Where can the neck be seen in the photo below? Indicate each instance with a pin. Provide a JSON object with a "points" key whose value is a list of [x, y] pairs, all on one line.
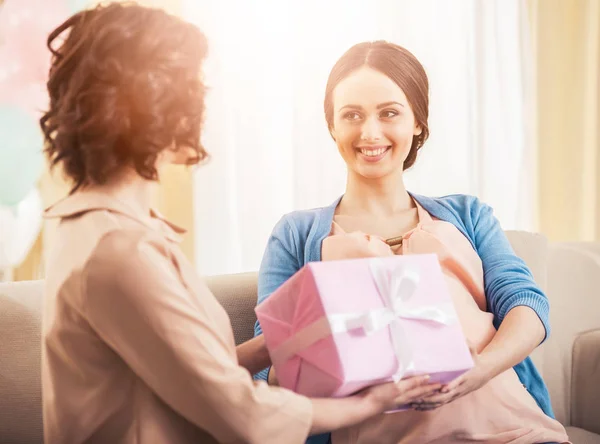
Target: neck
{"points": [[129, 188], [382, 197]]}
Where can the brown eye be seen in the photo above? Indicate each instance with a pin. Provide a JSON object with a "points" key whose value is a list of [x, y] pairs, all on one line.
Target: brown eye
{"points": [[352, 116], [388, 114]]}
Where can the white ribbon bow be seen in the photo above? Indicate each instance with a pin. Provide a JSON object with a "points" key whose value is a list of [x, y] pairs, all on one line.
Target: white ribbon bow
{"points": [[396, 287]]}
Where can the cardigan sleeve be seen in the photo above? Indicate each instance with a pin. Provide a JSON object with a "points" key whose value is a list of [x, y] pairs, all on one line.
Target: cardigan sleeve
{"points": [[279, 263], [508, 281]]}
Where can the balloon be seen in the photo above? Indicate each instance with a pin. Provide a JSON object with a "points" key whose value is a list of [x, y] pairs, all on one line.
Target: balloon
{"points": [[21, 154], [24, 29], [19, 228], [15, 90], [32, 98], [11, 70]]}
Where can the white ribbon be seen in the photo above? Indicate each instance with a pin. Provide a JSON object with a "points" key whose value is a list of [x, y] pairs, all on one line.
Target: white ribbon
{"points": [[395, 286]]}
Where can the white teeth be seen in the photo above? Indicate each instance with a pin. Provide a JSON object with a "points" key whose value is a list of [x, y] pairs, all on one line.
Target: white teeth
{"points": [[373, 153]]}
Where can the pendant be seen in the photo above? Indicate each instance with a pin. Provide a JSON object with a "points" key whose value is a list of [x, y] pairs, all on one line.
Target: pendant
{"points": [[393, 241]]}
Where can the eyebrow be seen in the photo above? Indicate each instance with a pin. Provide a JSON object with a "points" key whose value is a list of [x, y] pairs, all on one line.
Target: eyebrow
{"points": [[381, 105]]}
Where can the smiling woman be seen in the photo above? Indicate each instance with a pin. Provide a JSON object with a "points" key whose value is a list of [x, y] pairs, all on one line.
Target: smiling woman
{"points": [[376, 107], [275, 153], [405, 115]]}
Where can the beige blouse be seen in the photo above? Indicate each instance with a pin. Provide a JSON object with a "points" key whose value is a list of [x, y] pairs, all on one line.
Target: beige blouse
{"points": [[136, 349], [502, 411]]}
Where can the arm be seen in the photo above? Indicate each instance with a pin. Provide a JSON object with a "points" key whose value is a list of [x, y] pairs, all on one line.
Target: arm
{"points": [[279, 263], [509, 284], [136, 302], [173, 341], [253, 354], [519, 307], [333, 414], [519, 334]]}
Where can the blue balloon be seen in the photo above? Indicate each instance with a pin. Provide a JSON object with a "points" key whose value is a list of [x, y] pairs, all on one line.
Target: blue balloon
{"points": [[21, 154]]}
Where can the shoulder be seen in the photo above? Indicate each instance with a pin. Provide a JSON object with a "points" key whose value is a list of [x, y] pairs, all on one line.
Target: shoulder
{"points": [[120, 244], [123, 254], [305, 218], [301, 232], [461, 203], [464, 207], [300, 222], [132, 270]]}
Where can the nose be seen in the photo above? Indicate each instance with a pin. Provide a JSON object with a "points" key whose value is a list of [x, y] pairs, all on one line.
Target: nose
{"points": [[371, 130]]}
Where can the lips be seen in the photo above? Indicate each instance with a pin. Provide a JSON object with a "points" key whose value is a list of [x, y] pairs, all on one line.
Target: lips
{"points": [[373, 153]]}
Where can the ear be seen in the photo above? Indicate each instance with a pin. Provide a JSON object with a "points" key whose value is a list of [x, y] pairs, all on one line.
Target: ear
{"points": [[418, 130]]}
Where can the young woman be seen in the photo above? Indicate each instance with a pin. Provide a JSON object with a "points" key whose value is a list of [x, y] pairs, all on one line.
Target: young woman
{"points": [[376, 107], [135, 347]]}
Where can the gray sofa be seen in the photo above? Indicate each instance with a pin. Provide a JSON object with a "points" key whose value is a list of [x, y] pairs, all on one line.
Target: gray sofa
{"points": [[569, 360]]}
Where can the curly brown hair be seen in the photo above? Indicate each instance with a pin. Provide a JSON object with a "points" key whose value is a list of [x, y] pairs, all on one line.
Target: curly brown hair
{"points": [[124, 85], [398, 64]]}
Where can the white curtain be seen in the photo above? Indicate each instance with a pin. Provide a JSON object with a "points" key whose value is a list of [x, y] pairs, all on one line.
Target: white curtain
{"points": [[265, 127]]}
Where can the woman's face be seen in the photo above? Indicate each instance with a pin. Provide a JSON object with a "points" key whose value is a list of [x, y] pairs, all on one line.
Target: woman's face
{"points": [[373, 123]]}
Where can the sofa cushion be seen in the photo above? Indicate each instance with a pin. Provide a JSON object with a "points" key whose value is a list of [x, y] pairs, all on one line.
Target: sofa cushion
{"points": [[20, 375], [237, 294], [580, 436]]}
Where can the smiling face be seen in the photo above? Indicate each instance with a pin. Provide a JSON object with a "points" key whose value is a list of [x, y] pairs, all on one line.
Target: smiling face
{"points": [[373, 123], [377, 107]]}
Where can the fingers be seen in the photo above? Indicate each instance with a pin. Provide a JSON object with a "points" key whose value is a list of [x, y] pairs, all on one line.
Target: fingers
{"points": [[439, 398], [421, 392], [454, 384], [407, 384], [425, 407], [445, 395], [416, 388], [434, 401]]}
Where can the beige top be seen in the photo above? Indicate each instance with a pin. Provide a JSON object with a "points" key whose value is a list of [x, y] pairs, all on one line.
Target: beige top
{"points": [[136, 349], [500, 412]]}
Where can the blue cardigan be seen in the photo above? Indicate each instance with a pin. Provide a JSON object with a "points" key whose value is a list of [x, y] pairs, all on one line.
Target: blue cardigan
{"points": [[296, 240]]}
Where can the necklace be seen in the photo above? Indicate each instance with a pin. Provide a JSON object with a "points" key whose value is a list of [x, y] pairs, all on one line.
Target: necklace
{"points": [[393, 241]]}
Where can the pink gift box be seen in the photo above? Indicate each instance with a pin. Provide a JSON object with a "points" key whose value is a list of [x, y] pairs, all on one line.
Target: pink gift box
{"points": [[337, 327]]}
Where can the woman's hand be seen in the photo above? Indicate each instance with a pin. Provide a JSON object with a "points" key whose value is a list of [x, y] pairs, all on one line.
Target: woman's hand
{"points": [[468, 382], [406, 391], [334, 414], [519, 334], [253, 354]]}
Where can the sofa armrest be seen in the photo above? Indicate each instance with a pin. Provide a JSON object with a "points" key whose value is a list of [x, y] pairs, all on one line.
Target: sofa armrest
{"points": [[585, 385], [573, 282]]}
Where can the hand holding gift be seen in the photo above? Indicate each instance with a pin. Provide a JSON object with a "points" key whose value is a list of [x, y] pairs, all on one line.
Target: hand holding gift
{"points": [[337, 327]]}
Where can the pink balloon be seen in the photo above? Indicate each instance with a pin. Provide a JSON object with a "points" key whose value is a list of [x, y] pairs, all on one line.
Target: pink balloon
{"points": [[24, 56], [11, 69]]}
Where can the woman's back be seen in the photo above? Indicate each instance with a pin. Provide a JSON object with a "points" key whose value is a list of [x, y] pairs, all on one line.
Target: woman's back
{"points": [[101, 399]]}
